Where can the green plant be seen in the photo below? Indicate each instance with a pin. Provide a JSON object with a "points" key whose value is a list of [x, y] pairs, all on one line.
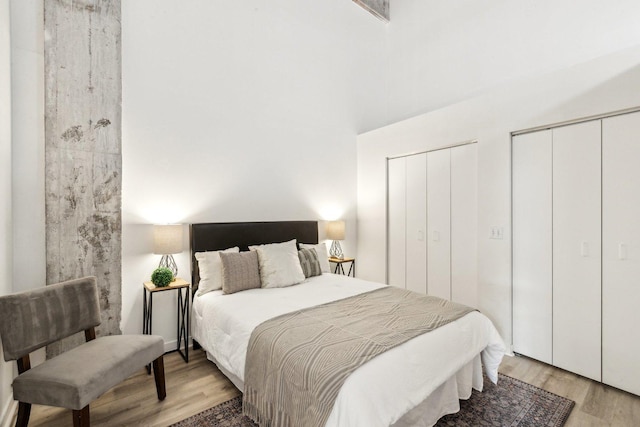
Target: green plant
{"points": [[161, 277]]}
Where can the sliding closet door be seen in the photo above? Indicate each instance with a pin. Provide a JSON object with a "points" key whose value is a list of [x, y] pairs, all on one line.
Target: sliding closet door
{"points": [[532, 244], [439, 223], [621, 252], [416, 229], [464, 224], [577, 249], [396, 217]]}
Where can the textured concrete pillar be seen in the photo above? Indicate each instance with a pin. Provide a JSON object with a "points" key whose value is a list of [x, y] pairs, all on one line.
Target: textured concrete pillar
{"points": [[83, 160], [379, 8]]}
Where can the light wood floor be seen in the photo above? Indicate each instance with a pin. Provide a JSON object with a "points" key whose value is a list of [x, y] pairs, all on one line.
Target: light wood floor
{"points": [[198, 385], [596, 404]]}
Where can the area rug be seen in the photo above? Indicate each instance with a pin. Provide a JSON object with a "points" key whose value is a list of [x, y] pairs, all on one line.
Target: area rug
{"points": [[510, 403]]}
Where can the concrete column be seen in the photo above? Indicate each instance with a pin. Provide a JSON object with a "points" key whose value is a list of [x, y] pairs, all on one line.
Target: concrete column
{"points": [[379, 8], [83, 160]]}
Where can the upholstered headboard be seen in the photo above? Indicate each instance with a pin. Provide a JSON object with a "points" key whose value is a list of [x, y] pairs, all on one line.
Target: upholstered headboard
{"points": [[223, 235]]}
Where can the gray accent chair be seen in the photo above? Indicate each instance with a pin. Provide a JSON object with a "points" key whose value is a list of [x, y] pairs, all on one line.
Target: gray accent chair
{"points": [[33, 319]]}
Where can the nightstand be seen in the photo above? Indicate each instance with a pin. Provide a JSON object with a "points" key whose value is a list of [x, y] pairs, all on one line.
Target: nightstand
{"points": [[339, 262], [181, 286]]}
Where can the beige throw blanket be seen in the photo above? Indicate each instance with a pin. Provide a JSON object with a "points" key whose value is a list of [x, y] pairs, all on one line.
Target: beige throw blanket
{"points": [[296, 363]]}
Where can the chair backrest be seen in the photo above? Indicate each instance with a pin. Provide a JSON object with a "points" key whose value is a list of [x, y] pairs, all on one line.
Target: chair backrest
{"points": [[32, 319]]}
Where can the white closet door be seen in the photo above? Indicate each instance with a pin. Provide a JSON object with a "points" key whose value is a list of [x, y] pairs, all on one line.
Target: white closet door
{"points": [[416, 230], [532, 245], [464, 224], [396, 211], [439, 223], [621, 252], [577, 249]]}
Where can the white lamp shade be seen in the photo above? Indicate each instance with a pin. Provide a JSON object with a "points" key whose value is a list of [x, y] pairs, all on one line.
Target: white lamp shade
{"points": [[167, 239], [335, 230]]}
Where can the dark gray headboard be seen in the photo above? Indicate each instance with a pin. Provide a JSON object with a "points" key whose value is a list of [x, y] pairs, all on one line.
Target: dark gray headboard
{"points": [[223, 235]]}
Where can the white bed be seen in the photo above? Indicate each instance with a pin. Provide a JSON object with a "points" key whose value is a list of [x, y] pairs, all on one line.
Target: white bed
{"points": [[413, 384]]}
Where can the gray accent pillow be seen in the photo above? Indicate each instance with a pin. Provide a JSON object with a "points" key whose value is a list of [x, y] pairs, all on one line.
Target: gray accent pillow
{"points": [[323, 255], [240, 271], [210, 268], [309, 262]]}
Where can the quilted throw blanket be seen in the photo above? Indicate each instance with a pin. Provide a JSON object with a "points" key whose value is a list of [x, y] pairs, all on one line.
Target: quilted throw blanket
{"points": [[296, 363]]}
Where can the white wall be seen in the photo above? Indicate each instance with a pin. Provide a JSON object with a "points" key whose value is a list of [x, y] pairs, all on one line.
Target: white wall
{"points": [[27, 51], [22, 157], [603, 85], [240, 111], [442, 52], [516, 65], [6, 368]]}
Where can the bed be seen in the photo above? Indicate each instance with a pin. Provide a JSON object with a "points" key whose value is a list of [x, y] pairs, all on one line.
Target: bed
{"points": [[413, 384]]}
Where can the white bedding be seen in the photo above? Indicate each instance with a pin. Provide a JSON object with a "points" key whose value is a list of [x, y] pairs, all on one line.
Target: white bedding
{"points": [[402, 378]]}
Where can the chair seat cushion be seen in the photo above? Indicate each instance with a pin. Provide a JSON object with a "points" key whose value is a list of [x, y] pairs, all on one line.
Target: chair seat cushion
{"points": [[75, 378]]}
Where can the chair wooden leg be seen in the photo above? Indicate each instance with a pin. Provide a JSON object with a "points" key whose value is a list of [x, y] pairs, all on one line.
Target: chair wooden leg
{"points": [[158, 373], [24, 410], [81, 417]]}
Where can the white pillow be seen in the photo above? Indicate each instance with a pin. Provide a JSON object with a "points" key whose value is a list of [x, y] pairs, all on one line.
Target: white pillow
{"points": [[210, 267], [323, 255], [279, 264]]}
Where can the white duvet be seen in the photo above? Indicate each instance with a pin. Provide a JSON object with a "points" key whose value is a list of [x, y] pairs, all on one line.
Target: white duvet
{"points": [[400, 378]]}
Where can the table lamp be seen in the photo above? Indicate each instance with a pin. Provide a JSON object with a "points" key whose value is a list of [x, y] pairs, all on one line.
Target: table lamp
{"points": [[167, 240], [335, 232]]}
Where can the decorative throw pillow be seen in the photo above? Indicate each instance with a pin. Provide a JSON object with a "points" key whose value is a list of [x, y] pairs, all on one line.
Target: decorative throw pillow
{"points": [[240, 271], [279, 264], [309, 262], [210, 268], [323, 255]]}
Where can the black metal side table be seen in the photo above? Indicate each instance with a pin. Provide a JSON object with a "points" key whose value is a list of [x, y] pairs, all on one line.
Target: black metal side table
{"points": [[183, 312], [339, 262]]}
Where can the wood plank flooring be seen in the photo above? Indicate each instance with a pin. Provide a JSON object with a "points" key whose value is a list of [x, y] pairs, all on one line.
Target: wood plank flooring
{"points": [[596, 404], [198, 385]]}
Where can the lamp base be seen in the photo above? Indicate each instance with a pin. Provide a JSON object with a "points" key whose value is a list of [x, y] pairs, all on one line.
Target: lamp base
{"points": [[336, 251], [167, 261]]}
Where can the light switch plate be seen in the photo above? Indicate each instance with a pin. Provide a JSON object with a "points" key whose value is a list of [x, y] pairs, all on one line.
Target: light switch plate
{"points": [[496, 232]]}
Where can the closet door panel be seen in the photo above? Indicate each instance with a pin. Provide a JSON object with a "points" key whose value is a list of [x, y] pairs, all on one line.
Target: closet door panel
{"points": [[577, 249], [416, 241], [621, 252], [464, 224], [439, 223], [532, 245], [396, 222]]}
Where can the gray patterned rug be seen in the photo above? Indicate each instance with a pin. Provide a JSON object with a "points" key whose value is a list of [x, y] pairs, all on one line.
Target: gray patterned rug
{"points": [[510, 403]]}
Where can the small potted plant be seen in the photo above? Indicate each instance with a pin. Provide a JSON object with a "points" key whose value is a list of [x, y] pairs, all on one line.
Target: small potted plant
{"points": [[161, 277]]}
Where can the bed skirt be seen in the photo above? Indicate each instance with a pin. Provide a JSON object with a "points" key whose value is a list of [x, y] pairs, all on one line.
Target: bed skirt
{"points": [[443, 401]]}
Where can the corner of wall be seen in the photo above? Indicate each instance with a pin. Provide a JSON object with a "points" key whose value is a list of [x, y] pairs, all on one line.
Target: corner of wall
{"points": [[6, 223], [7, 415]]}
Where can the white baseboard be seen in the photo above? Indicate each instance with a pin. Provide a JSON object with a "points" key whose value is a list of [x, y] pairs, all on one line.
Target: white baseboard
{"points": [[9, 413], [171, 345]]}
